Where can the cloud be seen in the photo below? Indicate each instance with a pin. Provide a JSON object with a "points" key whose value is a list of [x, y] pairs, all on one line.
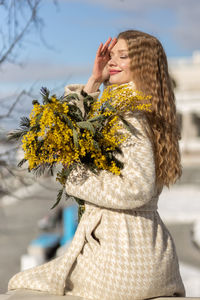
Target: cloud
{"points": [[35, 71], [126, 5], [188, 24], [185, 14]]}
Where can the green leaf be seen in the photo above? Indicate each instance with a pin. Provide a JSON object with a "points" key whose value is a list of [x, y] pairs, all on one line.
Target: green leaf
{"points": [[22, 162], [63, 175], [93, 169], [51, 168], [44, 168], [75, 112], [40, 169], [89, 99], [109, 156], [79, 201], [16, 134], [25, 122], [35, 128], [87, 102], [45, 95], [35, 102], [86, 125], [98, 134], [109, 106], [118, 150], [81, 210], [44, 92], [119, 164], [96, 144], [59, 197], [81, 207], [72, 96], [129, 126], [64, 118], [39, 116], [97, 118], [75, 138], [39, 146]]}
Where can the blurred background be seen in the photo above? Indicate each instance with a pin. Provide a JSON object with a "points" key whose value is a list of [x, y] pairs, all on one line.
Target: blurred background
{"points": [[52, 44]]}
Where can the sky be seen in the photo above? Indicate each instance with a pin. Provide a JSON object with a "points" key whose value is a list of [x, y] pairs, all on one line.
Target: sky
{"points": [[73, 30]]}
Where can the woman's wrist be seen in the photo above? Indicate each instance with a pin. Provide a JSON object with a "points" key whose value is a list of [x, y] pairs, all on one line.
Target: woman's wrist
{"points": [[92, 85]]}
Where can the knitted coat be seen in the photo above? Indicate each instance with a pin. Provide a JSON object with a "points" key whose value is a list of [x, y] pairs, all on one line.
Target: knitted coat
{"points": [[121, 249]]}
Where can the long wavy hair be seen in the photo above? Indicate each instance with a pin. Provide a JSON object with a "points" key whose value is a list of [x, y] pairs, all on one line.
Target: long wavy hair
{"points": [[150, 74]]}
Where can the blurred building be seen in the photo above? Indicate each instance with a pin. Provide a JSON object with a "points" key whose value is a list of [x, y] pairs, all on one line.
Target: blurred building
{"points": [[186, 74]]}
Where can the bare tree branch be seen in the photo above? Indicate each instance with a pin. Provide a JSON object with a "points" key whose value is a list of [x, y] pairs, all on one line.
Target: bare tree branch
{"points": [[19, 36], [20, 17], [13, 105]]}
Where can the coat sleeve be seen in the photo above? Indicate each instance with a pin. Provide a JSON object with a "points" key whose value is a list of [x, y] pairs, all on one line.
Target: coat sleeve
{"points": [[136, 185]]}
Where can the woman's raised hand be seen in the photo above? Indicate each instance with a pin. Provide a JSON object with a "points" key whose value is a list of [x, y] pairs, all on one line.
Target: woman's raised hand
{"points": [[100, 72], [102, 57]]}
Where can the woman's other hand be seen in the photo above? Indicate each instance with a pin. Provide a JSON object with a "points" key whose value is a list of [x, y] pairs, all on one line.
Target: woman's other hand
{"points": [[100, 72]]}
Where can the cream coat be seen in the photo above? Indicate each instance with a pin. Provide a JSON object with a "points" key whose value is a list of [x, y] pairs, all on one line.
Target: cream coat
{"points": [[121, 249]]}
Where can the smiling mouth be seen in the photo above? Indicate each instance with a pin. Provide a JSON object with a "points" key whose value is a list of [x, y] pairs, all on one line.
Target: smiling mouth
{"points": [[113, 72]]}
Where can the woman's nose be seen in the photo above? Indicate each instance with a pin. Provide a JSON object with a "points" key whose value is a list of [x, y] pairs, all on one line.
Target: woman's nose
{"points": [[112, 62]]}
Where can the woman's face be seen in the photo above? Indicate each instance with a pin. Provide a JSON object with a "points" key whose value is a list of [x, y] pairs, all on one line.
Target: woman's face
{"points": [[119, 64]]}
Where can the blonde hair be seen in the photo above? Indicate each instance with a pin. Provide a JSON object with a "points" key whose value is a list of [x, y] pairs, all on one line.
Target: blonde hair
{"points": [[150, 74]]}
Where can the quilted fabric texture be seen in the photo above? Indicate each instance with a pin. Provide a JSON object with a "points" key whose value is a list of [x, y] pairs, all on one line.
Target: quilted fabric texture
{"points": [[121, 249]]}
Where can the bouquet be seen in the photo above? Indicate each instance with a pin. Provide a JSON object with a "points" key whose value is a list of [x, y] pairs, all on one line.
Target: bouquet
{"points": [[58, 132]]}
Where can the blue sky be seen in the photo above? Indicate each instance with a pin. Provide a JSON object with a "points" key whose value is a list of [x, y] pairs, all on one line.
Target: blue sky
{"points": [[74, 29]]}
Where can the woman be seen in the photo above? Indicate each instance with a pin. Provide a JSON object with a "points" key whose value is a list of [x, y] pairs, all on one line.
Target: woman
{"points": [[121, 249]]}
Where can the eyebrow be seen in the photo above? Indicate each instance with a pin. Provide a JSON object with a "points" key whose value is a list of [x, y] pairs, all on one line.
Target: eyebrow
{"points": [[120, 51]]}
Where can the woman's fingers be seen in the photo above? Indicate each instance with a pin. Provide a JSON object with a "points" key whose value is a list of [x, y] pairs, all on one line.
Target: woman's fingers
{"points": [[104, 48], [100, 72], [112, 44], [99, 49]]}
